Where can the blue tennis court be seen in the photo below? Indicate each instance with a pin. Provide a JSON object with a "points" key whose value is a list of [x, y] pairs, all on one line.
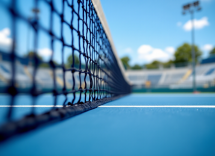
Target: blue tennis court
{"points": [[141, 124], [66, 89]]}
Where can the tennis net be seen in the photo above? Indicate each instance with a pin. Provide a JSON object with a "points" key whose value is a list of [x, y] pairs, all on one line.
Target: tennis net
{"points": [[64, 48]]}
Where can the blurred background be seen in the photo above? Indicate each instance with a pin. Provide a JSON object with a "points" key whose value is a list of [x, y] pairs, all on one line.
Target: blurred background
{"points": [[153, 40]]}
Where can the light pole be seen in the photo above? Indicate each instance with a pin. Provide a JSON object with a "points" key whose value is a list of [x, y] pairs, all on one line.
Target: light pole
{"points": [[191, 8], [36, 17]]}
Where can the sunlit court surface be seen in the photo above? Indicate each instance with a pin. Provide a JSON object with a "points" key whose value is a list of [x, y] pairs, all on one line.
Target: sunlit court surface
{"points": [[171, 128], [107, 78]]}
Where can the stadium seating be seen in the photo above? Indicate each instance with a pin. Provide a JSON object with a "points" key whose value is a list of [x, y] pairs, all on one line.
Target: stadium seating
{"points": [[173, 77], [156, 78]]}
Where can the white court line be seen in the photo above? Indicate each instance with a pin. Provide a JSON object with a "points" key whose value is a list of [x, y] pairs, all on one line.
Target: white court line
{"points": [[167, 106], [160, 106]]}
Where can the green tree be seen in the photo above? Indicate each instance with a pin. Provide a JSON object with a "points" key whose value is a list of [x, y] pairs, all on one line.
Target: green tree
{"points": [[30, 55], [70, 61], [212, 52], [47, 65], [125, 61], [184, 53], [154, 65], [136, 67], [42, 64], [168, 64]]}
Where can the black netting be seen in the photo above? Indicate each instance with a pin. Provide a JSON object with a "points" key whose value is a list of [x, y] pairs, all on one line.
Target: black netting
{"points": [[81, 66]]}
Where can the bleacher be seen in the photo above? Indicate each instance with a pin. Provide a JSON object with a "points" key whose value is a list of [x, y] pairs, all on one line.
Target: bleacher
{"points": [[5, 70], [171, 78], [44, 77], [22, 80], [210, 59], [174, 78], [154, 79]]}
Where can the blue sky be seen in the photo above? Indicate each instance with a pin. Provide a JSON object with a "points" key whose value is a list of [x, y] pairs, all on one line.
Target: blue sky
{"points": [[25, 40], [148, 30], [141, 29]]}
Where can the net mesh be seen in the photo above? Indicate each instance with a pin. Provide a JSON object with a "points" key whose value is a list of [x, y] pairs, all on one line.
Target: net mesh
{"points": [[81, 65]]}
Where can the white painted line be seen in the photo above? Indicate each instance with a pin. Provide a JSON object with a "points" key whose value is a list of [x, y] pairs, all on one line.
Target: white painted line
{"points": [[167, 106], [158, 106]]}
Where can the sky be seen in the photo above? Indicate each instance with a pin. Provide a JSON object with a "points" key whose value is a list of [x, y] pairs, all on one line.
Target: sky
{"points": [[141, 29], [25, 33], [152, 30]]}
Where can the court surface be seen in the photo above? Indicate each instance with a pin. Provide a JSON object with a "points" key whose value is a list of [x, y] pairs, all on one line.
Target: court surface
{"points": [[138, 124]]}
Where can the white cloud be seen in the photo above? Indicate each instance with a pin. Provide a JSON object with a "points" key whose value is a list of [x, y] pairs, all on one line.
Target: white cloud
{"points": [[207, 47], [45, 52], [5, 41], [157, 54], [144, 49], [128, 50], [147, 54], [179, 24], [198, 24], [206, 0], [170, 50]]}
